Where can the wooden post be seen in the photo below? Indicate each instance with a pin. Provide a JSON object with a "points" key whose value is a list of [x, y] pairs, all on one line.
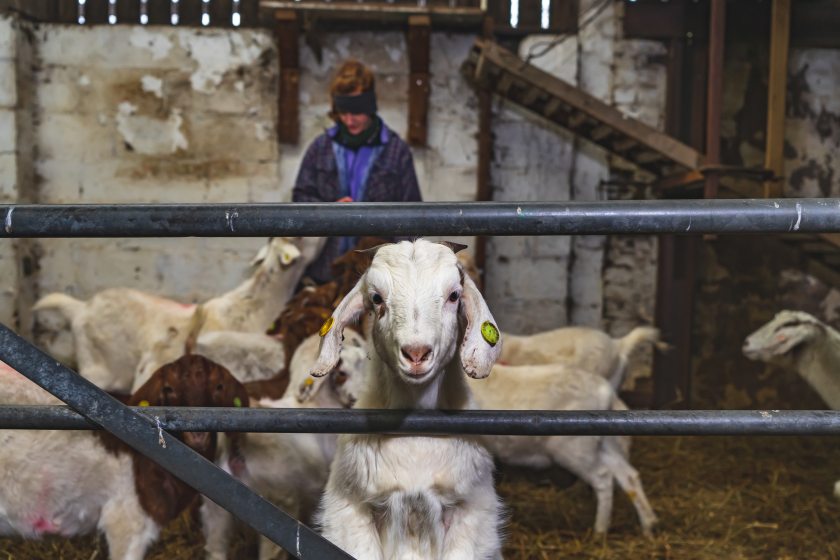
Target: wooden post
{"points": [[484, 191], [714, 95], [776, 90], [419, 28], [288, 126]]}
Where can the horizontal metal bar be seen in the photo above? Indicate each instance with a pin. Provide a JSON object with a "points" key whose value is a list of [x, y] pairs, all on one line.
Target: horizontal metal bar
{"points": [[142, 433], [505, 422], [430, 218]]}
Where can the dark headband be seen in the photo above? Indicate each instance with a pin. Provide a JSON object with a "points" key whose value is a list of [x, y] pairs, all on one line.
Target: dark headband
{"points": [[361, 104]]}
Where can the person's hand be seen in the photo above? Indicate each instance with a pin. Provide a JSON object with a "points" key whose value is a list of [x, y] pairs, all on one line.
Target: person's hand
{"points": [[345, 199]]}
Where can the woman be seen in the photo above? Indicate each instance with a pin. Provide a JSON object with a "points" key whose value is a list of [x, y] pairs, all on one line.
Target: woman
{"points": [[358, 159]]}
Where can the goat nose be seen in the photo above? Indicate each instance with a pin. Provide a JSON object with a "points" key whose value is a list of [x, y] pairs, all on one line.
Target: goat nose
{"points": [[417, 353]]}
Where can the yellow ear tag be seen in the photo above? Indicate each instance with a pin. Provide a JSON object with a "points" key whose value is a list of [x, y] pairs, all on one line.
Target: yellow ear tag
{"points": [[237, 402], [144, 403], [325, 328], [490, 333], [308, 381]]}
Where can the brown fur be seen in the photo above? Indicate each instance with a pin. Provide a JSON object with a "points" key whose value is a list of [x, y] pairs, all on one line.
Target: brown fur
{"points": [[189, 381], [309, 308]]}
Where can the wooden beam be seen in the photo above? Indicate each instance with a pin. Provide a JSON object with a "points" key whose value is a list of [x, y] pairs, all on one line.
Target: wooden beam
{"points": [[776, 89], [419, 88], [388, 12], [288, 126], [583, 106], [714, 94]]}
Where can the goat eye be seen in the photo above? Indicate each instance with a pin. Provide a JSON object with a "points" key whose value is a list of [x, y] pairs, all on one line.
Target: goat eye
{"points": [[340, 378], [454, 296], [167, 390], [376, 299]]}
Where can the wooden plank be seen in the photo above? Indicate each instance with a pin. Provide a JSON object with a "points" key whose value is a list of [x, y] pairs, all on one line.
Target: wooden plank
{"points": [[552, 107], [624, 144], [159, 12], [189, 12], [774, 159], [529, 14], [96, 12], [563, 16], [343, 11], [647, 156], [580, 101], [220, 13], [128, 11], [419, 86], [67, 11], [531, 95], [576, 119], [600, 132], [249, 13], [714, 93]]}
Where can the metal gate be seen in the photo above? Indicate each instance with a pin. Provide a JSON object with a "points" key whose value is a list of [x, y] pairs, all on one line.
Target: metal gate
{"points": [[145, 428]]}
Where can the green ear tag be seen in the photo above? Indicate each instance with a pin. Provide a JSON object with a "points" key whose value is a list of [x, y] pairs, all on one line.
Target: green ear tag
{"points": [[490, 333], [237, 402]]}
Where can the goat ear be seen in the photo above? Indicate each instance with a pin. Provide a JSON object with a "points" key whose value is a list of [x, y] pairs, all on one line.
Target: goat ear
{"points": [[332, 332], [482, 342], [262, 253], [455, 247], [289, 253], [309, 387], [151, 392]]}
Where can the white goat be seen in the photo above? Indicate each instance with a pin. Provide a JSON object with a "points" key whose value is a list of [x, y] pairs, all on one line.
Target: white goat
{"points": [[70, 483], [414, 497], [288, 469], [113, 329], [586, 348], [800, 341], [597, 460]]}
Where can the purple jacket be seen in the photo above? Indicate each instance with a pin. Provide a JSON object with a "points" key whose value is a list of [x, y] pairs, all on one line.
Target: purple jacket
{"points": [[391, 178]]}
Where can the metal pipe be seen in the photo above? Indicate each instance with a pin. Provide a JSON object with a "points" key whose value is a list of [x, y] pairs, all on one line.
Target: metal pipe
{"points": [[429, 218], [437, 422], [143, 434]]}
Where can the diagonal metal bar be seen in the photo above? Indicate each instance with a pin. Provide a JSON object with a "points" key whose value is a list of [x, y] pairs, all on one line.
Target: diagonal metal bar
{"points": [[441, 422], [429, 218], [141, 432]]}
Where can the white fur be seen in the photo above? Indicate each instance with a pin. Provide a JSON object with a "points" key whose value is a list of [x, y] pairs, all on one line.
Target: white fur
{"points": [[249, 356], [414, 497], [66, 483], [597, 460], [113, 329], [288, 469], [586, 348], [800, 341]]}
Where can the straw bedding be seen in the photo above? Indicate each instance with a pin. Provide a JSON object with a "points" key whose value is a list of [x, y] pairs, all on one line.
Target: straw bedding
{"points": [[716, 497]]}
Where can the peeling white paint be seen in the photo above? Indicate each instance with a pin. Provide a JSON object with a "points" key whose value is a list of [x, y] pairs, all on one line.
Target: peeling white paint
{"points": [[798, 217], [217, 54], [156, 43], [394, 53], [8, 221], [150, 136], [152, 84]]}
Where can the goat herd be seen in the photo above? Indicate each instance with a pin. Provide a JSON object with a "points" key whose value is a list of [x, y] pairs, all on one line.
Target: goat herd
{"points": [[402, 326]]}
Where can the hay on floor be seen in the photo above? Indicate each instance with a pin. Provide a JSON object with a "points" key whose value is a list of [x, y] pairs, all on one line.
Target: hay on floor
{"points": [[716, 497]]}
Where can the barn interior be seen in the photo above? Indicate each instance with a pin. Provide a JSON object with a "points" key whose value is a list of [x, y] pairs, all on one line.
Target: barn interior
{"points": [[216, 101]]}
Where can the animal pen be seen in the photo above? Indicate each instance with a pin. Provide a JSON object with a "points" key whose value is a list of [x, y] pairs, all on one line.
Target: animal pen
{"points": [[726, 495], [147, 429]]}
